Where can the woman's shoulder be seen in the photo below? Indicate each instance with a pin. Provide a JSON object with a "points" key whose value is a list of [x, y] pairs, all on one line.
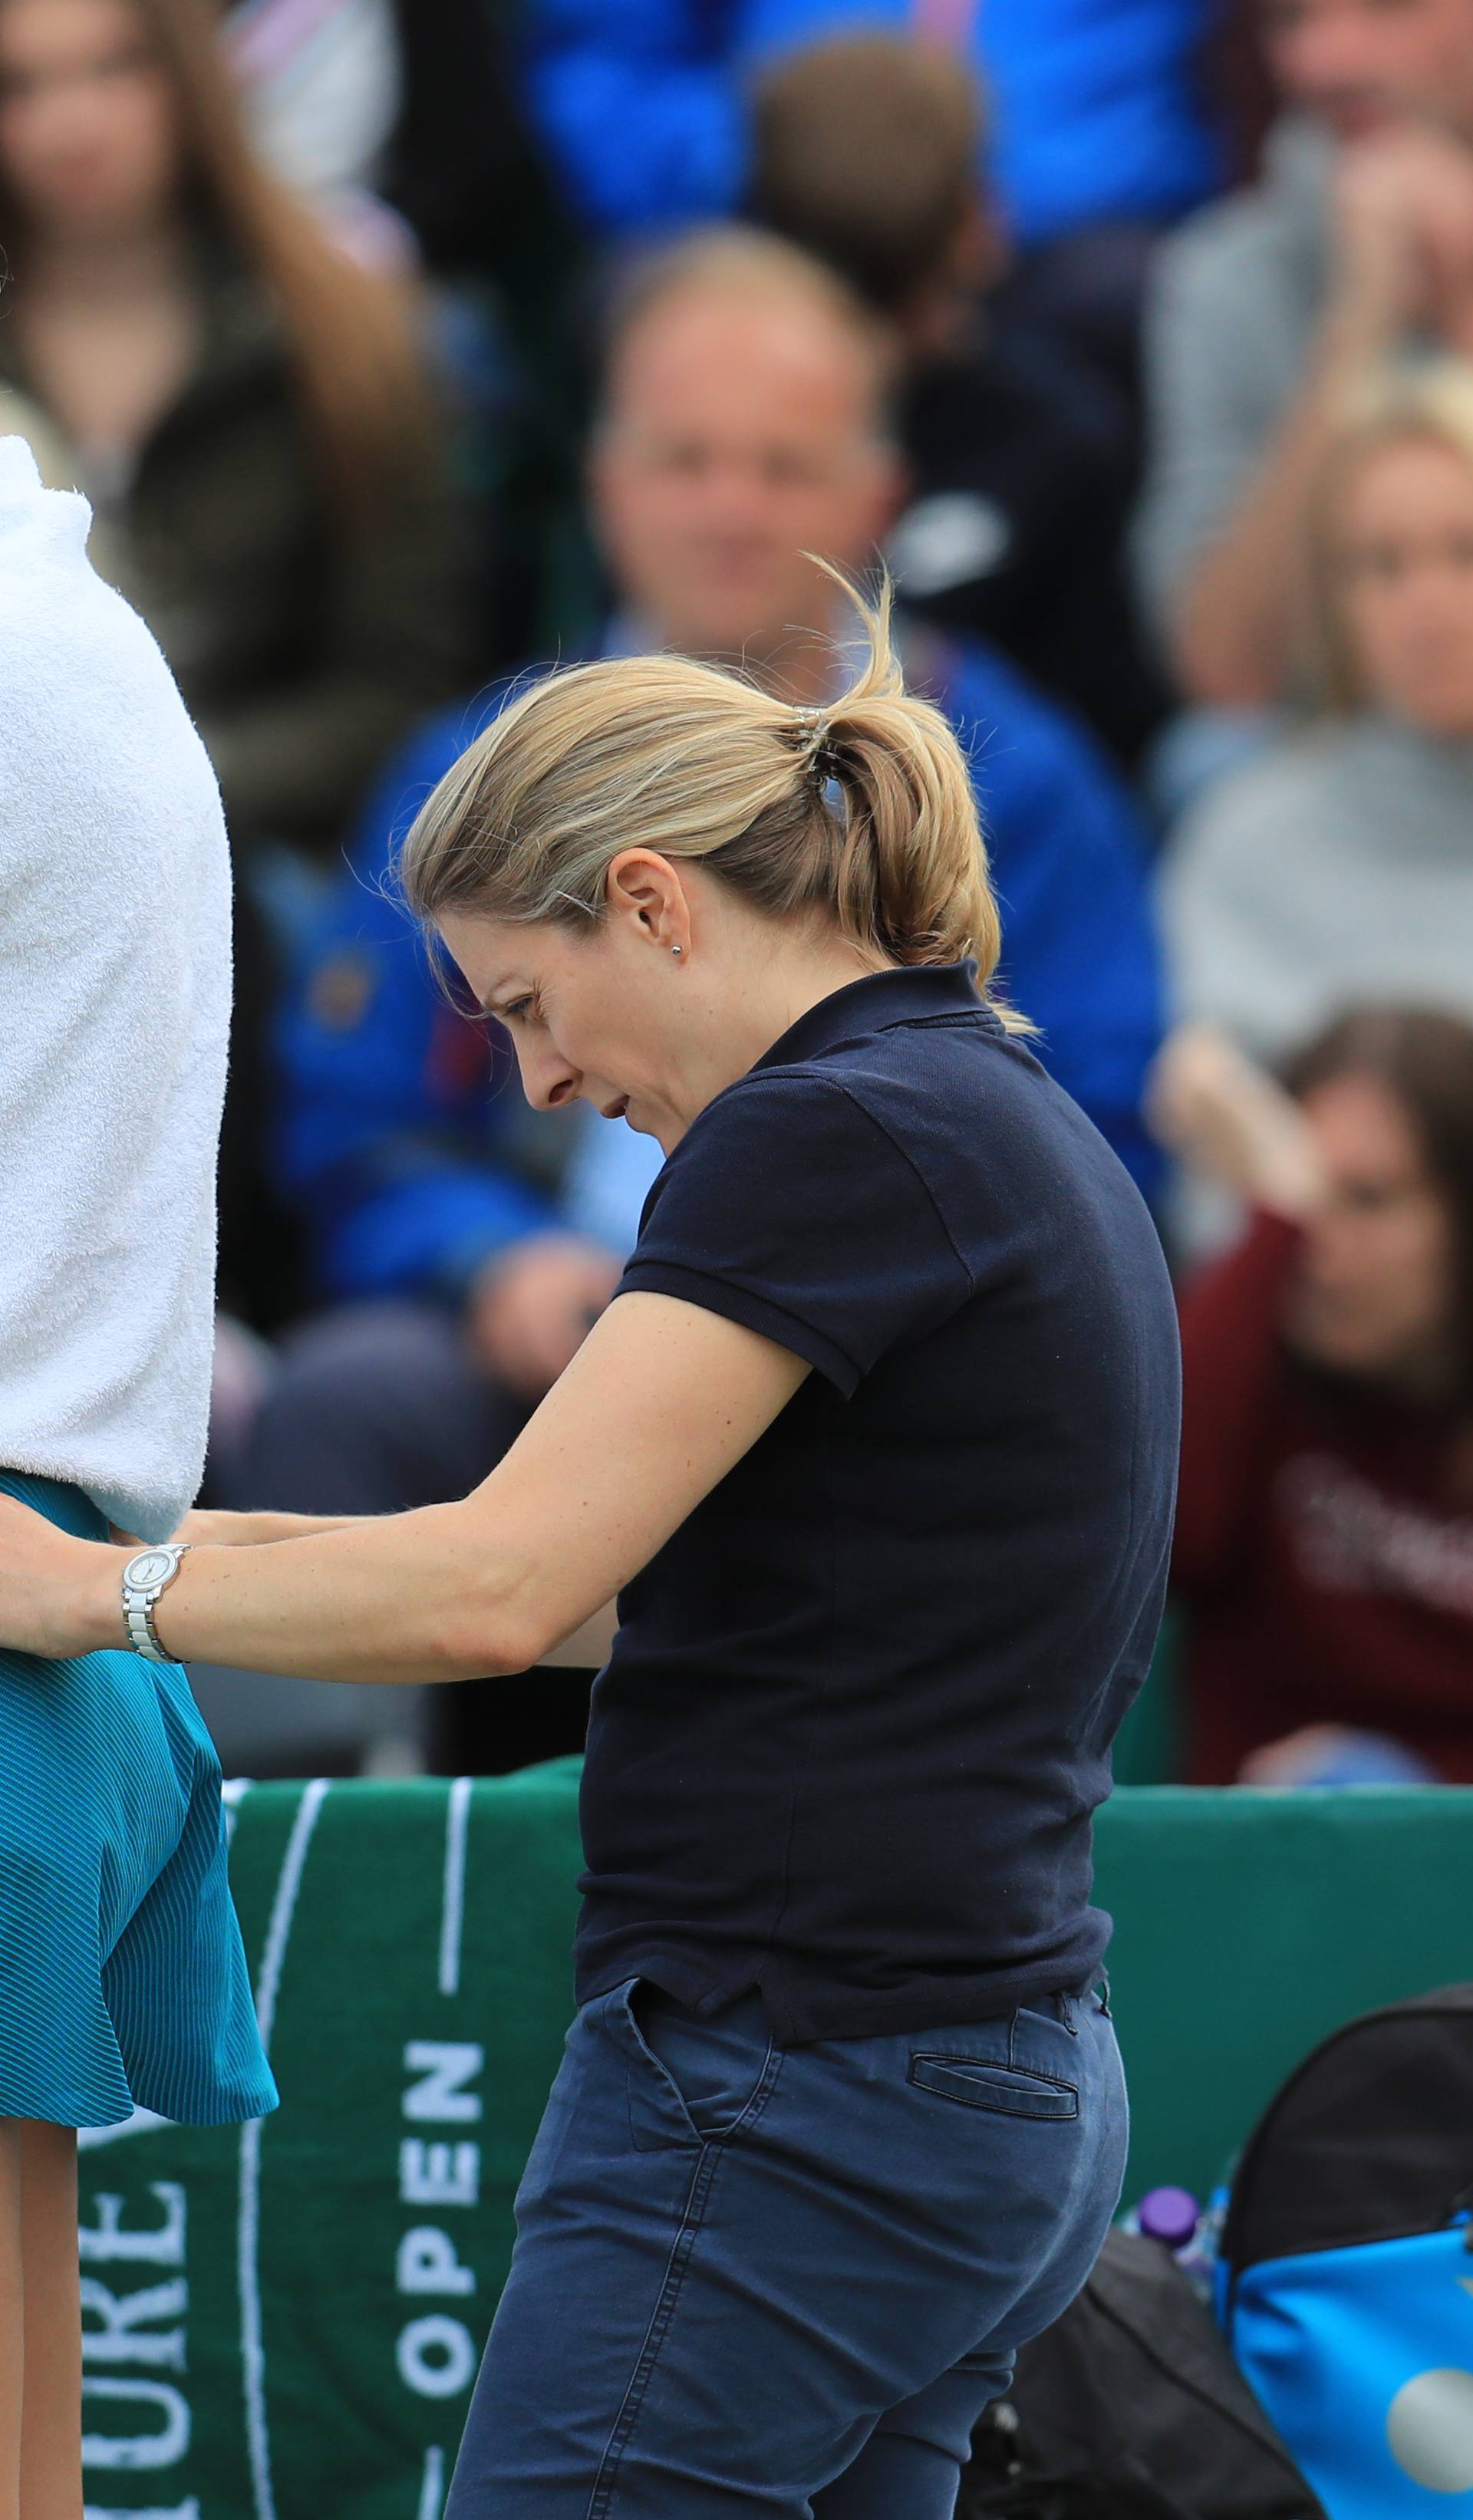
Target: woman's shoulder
{"points": [[68, 637], [878, 1120], [43, 522], [805, 1146], [25, 422], [93, 729], [770, 1112]]}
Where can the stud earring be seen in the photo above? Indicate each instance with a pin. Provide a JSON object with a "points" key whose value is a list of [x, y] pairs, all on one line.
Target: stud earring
{"points": [[677, 949]]}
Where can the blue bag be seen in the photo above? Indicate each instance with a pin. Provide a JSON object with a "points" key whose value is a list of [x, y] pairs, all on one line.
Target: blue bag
{"points": [[1346, 2275]]}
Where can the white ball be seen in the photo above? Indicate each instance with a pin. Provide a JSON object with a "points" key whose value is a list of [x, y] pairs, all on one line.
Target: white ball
{"points": [[1430, 2430]]}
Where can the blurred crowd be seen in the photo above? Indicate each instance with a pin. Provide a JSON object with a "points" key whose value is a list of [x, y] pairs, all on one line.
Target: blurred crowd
{"points": [[400, 348]]}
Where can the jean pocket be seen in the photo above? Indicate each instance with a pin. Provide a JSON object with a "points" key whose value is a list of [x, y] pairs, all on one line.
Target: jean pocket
{"points": [[1005, 2090], [692, 2080]]}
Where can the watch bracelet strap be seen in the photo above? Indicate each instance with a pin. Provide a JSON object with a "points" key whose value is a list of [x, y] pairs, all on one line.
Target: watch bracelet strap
{"points": [[138, 1620], [143, 1635]]}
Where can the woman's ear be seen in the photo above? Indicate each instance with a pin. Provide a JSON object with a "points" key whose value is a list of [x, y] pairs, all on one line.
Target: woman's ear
{"points": [[644, 889]]}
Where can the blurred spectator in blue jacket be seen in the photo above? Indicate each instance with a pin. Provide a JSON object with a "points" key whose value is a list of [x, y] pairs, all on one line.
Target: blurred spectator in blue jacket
{"points": [[742, 429], [1020, 456], [1099, 132], [1097, 111]]}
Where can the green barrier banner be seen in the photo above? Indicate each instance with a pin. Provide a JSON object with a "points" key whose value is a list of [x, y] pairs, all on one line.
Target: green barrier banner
{"points": [[282, 2322]]}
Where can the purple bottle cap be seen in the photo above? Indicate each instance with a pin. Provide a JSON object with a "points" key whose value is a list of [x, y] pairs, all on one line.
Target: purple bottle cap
{"points": [[1170, 2215]]}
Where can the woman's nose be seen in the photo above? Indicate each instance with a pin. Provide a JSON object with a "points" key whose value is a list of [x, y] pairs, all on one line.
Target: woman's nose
{"points": [[548, 1082]]}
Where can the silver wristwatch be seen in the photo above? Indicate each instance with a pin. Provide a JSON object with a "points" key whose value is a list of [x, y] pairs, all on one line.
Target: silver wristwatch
{"points": [[147, 1574]]}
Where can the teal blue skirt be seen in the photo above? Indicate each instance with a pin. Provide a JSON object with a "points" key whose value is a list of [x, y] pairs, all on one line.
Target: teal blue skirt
{"points": [[122, 1975]]}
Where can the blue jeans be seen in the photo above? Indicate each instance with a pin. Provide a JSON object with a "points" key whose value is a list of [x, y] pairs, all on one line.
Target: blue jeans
{"points": [[755, 2283]]}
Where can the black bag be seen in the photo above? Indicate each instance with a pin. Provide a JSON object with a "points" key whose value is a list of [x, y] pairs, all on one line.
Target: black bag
{"points": [[1066, 2498], [1132, 2398], [1369, 2139], [1347, 2265]]}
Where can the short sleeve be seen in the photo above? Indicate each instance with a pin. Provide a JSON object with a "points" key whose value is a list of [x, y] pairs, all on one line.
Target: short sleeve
{"points": [[790, 1208]]}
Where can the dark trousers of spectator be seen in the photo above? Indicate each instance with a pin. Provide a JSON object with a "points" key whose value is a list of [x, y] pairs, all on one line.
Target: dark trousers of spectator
{"points": [[380, 1407]]}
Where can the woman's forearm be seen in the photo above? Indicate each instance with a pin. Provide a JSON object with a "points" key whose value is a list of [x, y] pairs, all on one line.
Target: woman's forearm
{"points": [[661, 1401], [588, 1645], [1236, 617], [204, 1529], [413, 1596]]}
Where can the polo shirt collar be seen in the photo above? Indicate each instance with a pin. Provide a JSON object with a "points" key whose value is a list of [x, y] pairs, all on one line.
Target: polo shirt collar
{"points": [[881, 999]]}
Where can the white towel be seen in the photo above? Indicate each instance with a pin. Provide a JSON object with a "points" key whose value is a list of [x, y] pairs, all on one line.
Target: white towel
{"points": [[114, 1009]]}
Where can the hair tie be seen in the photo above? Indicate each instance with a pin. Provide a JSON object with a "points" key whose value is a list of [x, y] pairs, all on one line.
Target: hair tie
{"points": [[817, 756]]}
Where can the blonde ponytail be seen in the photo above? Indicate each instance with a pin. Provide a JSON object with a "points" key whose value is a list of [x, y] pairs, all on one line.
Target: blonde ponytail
{"points": [[910, 874], [861, 810]]}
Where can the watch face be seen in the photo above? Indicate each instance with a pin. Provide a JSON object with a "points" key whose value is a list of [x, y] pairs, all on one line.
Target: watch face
{"points": [[148, 1567]]}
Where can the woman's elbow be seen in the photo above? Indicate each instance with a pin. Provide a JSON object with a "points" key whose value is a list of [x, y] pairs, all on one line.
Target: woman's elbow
{"points": [[484, 1619], [477, 1646]]}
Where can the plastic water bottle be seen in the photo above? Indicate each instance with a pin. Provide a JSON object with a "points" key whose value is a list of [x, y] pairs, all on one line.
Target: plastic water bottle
{"points": [[1171, 2216], [1201, 2260]]}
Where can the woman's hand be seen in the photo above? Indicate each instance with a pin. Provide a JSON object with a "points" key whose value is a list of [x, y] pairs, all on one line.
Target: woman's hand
{"points": [[1226, 1117], [57, 1595]]}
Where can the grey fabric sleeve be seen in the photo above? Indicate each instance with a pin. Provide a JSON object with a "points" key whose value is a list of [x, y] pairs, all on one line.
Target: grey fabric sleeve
{"points": [[1208, 415]]}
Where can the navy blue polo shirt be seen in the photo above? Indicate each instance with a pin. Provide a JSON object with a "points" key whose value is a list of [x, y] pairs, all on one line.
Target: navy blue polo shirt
{"points": [[860, 1708]]}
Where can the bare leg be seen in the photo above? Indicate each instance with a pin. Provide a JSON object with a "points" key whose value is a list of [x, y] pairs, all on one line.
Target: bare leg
{"points": [[11, 2320], [51, 2422]]}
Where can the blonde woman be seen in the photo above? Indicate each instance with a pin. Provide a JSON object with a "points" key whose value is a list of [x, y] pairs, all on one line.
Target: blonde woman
{"points": [[876, 1443], [1340, 864]]}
